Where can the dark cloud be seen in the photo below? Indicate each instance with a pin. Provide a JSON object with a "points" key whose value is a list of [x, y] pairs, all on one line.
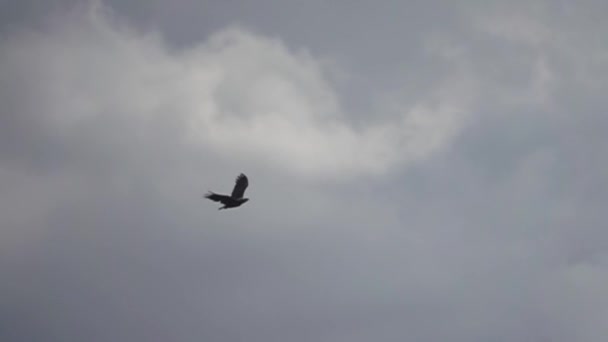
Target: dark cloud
{"points": [[112, 134]]}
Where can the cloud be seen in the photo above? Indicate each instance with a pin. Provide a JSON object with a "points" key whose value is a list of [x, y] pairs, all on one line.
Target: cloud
{"points": [[241, 95], [483, 218]]}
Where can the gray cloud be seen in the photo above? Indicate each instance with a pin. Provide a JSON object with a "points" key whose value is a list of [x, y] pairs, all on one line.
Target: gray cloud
{"points": [[469, 208], [273, 105]]}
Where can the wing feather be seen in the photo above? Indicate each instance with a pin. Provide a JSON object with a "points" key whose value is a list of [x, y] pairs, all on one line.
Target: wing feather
{"points": [[239, 188], [217, 197]]}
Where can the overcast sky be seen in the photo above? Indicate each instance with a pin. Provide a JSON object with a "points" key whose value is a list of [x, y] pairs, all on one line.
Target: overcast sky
{"points": [[419, 170]]}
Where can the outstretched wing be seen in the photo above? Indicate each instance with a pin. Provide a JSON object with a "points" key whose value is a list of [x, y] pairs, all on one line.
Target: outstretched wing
{"points": [[239, 188], [217, 197]]}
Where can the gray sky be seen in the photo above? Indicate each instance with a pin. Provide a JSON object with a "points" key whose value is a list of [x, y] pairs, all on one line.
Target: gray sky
{"points": [[421, 171]]}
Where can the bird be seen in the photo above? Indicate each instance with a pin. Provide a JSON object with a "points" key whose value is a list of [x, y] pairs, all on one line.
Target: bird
{"points": [[234, 200]]}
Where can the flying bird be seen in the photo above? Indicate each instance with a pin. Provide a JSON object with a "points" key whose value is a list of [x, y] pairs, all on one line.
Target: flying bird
{"points": [[234, 200]]}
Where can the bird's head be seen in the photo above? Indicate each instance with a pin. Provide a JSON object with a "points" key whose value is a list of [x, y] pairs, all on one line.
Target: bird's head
{"points": [[245, 200]]}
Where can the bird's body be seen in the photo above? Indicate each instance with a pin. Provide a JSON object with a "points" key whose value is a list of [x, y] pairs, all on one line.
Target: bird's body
{"points": [[236, 198]]}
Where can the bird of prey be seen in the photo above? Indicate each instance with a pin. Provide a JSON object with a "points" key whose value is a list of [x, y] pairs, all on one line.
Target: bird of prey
{"points": [[234, 200]]}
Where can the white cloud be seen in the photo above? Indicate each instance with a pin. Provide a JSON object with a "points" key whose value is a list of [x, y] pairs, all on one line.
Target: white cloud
{"points": [[239, 94]]}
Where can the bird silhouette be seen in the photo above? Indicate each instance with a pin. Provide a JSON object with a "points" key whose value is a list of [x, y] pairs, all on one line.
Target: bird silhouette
{"points": [[234, 200]]}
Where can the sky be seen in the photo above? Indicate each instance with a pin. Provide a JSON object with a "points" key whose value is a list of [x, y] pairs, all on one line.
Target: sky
{"points": [[418, 170]]}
